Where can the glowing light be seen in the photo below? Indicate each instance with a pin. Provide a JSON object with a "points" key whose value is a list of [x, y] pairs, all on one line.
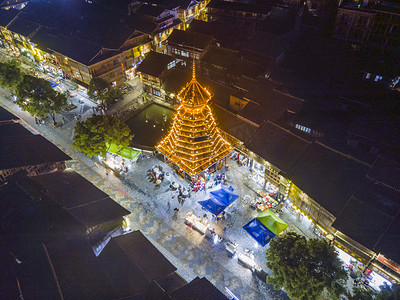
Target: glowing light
{"points": [[194, 127]]}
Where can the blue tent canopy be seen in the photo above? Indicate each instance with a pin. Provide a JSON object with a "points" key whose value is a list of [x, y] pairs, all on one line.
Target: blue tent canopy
{"points": [[224, 194], [213, 205], [218, 199], [53, 84], [259, 232]]}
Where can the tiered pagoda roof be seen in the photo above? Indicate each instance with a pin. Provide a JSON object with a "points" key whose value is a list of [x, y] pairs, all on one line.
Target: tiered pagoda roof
{"points": [[194, 141]]}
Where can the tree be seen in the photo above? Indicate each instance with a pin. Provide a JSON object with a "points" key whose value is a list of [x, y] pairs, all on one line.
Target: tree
{"points": [[10, 74], [99, 89], [305, 268], [389, 292], [98, 133], [36, 96], [360, 293]]}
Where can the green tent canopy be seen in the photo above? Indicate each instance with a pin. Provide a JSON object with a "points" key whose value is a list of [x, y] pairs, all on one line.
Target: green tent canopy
{"points": [[125, 152], [272, 222]]}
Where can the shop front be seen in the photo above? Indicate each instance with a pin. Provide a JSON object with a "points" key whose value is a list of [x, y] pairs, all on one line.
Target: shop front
{"points": [[240, 159]]}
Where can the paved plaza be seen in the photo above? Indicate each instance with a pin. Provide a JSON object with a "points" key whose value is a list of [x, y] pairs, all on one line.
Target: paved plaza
{"points": [[152, 207]]}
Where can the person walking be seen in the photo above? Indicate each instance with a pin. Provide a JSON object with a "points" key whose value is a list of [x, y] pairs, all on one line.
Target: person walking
{"points": [[168, 205], [63, 120]]}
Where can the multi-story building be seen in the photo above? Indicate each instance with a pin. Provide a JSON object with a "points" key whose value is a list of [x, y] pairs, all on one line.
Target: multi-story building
{"points": [[350, 203], [369, 24], [188, 46], [165, 21], [92, 49], [152, 71], [186, 11], [248, 16]]}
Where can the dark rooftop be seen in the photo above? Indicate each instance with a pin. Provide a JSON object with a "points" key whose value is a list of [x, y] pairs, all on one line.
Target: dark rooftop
{"points": [[190, 39], [141, 252], [386, 171], [231, 124], [78, 272], [7, 15], [154, 64], [5, 115], [388, 245], [266, 101], [28, 150], [237, 6], [13, 129], [361, 222], [132, 262], [328, 177], [277, 145], [198, 289], [150, 10], [80, 198], [78, 49]]}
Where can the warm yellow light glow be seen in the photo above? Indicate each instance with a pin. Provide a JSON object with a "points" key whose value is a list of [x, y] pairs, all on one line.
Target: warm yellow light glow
{"points": [[194, 127]]}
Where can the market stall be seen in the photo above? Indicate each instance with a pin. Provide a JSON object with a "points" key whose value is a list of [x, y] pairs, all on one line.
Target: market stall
{"points": [[265, 227], [218, 199], [120, 158]]}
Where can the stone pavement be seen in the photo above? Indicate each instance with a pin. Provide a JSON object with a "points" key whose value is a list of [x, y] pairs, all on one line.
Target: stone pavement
{"points": [[192, 253]]}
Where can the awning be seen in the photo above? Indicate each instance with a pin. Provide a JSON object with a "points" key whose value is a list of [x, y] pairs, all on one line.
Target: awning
{"points": [[265, 227], [259, 232], [218, 199], [272, 222], [125, 152]]}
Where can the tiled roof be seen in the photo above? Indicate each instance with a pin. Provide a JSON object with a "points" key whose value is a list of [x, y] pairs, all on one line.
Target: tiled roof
{"points": [[198, 289], [145, 255], [7, 15], [150, 10], [5, 115], [78, 272], [219, 56], [233, 125], [133, 262], [266, 102], [328, 177], [13, 129], [191, 39], [278, 146], [80, 198], [154, 64], [237, 6], [28, 150], [388, 245], [386, 171], [361, 222], [371, 125], [22, 25], [78, 49]]}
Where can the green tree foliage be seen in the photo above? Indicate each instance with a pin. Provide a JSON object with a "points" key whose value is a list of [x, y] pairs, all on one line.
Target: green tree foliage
{"points": [[389, 292], [96, 134], [113, 94], [305, 268], [360, 293], [10, 74], [36, 96], [99, 89]]}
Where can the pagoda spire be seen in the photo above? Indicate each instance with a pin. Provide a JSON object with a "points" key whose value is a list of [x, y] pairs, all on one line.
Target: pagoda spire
{"points": [[194, 71]]}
